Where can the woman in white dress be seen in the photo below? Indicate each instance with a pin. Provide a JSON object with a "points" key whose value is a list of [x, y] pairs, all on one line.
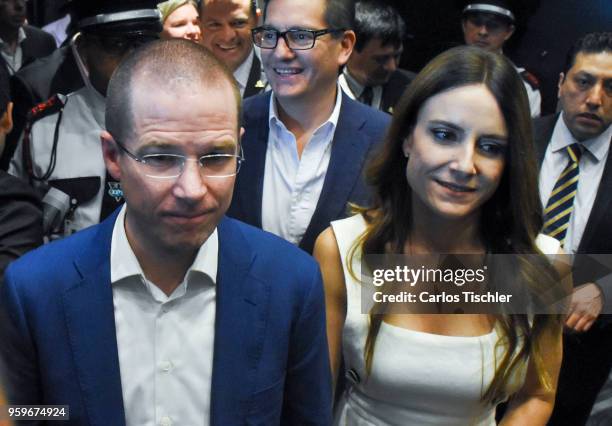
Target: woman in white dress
{"points": [[457, 174]]}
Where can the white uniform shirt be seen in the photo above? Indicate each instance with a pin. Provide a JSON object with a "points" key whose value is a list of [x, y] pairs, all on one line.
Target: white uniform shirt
{"points": [[591, 169], [292, 185], [165, 343], [535, 98], [79, 150]]}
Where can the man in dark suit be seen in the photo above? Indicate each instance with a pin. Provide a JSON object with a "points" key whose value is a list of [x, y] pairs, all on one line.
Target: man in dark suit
{"points": [[167, 312], [372, 75], [20, 44], [305, 143], [20, 210], [226, 32], [576, 191]]}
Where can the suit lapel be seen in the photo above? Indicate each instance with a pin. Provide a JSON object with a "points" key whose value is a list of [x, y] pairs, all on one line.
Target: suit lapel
{"points": [[600, 208], [349, 149], [28, 48], [254, 78], [91, 326], [389, 95], [255, 145], [241, 312], [543, 130]]}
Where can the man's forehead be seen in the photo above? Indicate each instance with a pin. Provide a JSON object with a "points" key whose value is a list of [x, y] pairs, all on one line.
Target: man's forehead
{"points": [[298, 14], [384, 49], [158, 96], [599, 64], [227, 6]]}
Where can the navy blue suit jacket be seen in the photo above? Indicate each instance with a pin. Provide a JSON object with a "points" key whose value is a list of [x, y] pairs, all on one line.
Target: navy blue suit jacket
{"points": [[359, 130], [270, 363]]}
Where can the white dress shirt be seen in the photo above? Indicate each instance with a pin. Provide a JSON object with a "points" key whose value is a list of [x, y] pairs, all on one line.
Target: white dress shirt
{"points": [[354, 89], [79, 151], [13, 60], [165, 343], [242, 72], [292, 185], [591, 169]]}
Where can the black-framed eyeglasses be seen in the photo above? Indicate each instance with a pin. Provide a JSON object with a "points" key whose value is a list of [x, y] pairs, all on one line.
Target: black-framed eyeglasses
{"points": [[171, 166], [295, 38]]}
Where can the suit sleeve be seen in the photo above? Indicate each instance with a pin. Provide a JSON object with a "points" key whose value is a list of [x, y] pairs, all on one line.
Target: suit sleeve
{"points": [[20, 219], [308, 388], [17, 353]]}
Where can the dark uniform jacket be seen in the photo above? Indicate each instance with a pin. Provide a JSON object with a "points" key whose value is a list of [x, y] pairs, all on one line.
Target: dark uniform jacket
{"points": [[394, 89], [20, 219], [35, 83]]}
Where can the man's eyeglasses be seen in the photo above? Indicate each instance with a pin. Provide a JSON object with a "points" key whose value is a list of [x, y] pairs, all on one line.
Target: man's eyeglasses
{"points": [[171, 166], [296, 38]]}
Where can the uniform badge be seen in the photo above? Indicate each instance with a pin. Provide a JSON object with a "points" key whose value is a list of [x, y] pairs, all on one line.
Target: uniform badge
{"points": [[115, 191], [260, 84]]}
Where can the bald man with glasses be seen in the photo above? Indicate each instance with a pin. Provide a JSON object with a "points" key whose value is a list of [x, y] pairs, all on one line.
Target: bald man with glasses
{"points": [[168, 313]]}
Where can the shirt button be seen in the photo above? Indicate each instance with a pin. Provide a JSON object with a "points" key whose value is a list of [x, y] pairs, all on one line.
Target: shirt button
{"points": [[165, 421], [166, 366]]}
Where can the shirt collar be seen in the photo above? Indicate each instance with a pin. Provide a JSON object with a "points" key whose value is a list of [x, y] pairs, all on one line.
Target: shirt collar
{"points": [[124, 263], [275, 122], [21, 35], [356, 87], [243, 71], [597, 146]]}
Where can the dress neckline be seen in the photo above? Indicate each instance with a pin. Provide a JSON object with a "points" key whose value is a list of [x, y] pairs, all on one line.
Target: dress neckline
{"points": [[395, 329]]}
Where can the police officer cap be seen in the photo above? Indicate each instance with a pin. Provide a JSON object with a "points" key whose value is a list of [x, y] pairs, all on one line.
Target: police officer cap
{"points": [[497, 7], [135, 17]]}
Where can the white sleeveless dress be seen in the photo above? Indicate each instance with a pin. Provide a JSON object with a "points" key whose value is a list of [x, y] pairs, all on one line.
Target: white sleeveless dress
{"points": [[417, 378]]}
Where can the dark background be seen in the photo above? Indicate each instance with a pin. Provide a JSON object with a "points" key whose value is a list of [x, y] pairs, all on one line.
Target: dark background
{"points": [[539, 44], [544, 32]]}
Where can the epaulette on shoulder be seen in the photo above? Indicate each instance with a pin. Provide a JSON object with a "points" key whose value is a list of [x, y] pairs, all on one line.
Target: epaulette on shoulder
{"points": [[44, 109], [531, 79]]}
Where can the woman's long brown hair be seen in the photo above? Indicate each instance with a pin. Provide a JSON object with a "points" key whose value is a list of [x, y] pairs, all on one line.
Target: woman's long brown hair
{"points": [[510, 220]]}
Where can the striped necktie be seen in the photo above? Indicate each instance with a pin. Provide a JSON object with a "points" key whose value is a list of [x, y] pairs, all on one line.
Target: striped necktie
{"points": [[561, 202]]}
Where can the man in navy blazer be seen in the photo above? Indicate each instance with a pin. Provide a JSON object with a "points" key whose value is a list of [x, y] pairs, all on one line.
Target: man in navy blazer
{"points": [[167, 312], [306, 143]]}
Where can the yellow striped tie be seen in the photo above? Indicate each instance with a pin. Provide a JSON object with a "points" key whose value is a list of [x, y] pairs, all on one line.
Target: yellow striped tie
{"points": [[561, 201]]}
